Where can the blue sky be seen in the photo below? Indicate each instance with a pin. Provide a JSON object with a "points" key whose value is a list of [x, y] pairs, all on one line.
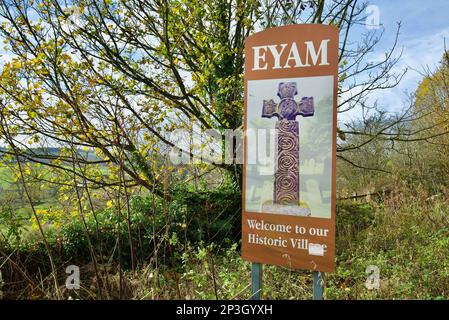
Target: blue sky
{"points": [[424, 26]]}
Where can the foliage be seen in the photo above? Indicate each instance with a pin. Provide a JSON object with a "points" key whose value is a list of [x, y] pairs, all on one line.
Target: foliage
{"points": [[406, 237]]}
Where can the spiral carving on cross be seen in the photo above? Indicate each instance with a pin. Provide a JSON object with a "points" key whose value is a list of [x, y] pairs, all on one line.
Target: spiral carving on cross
{"points": [[286, 175]]}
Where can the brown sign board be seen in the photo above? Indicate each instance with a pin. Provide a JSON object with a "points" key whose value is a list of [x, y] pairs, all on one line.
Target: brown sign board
{"points": [[288, 217]]}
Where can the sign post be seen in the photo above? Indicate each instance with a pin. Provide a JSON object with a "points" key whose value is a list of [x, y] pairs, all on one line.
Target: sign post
{"points": [[288, 217], [256, 281], [318, 285]]}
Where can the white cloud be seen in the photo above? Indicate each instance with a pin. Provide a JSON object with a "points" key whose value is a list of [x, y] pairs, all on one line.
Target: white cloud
{"points": [[419, 54]]}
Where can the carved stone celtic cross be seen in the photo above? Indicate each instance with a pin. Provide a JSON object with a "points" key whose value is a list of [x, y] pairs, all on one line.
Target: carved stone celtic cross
{"points": [[286, 177]]}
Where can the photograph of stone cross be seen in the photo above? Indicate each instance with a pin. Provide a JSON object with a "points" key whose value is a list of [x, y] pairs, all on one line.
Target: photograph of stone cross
{"points": [[286, 195]]}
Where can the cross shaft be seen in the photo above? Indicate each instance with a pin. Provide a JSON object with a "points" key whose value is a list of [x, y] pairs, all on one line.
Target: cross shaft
{"points": [[286, 177]]}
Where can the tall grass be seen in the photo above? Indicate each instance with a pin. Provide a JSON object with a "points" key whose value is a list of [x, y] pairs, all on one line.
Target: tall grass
{"points": [[405, 236]]}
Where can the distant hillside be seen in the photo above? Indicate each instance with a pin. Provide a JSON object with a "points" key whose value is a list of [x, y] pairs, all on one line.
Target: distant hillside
{"points": [[53, 152]]}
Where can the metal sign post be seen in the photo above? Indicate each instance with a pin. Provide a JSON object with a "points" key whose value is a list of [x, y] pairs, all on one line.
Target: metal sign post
{"points": [[256, 281], [318, 285]]}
